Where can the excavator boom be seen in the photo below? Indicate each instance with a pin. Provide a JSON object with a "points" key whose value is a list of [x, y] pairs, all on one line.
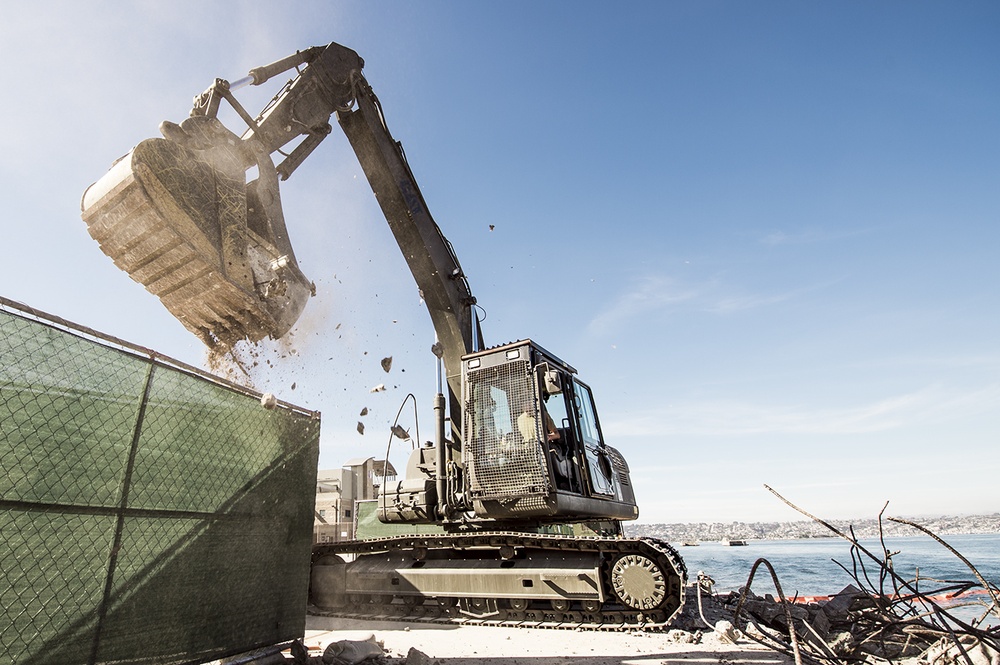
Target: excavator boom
{"points": [[431, 258]]}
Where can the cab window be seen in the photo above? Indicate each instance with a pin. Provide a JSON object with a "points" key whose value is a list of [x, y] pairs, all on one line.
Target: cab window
{"points": [[588, 418]]}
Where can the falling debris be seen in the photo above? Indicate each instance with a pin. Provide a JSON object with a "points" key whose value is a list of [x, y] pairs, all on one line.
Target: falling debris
{"points": [[492, 227], [268, 401], [293, 386], [380, 388], [400, 433], [386, 363], [361, 428], [364, 412]]}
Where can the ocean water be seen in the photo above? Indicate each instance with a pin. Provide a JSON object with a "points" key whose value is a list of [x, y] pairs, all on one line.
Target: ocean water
{"points": [[808, 567]]}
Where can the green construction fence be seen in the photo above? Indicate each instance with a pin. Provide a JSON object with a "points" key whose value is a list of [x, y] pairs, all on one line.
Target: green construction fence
{"points": [[149, 512]]}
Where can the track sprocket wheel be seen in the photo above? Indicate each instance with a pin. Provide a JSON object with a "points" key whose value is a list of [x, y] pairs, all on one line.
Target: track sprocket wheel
{"points": [[638, 582]]}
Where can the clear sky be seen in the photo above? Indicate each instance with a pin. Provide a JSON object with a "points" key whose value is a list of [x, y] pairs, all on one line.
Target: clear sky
{"points": [[766, 233]]}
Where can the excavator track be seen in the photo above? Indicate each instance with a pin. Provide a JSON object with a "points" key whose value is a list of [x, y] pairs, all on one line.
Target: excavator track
{"points": [[641, 581]]}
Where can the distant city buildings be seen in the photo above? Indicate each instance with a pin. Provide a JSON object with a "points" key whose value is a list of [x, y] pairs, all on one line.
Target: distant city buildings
{"points": [[337, 491], [863, 528]]}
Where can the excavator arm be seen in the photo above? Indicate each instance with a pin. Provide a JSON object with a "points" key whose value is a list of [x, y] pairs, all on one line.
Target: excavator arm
{"points": [[431, 258], [178, 215]]}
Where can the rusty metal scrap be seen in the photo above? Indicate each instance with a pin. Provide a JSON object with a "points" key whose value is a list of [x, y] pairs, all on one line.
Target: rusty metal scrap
{"points": [[882, 616]]}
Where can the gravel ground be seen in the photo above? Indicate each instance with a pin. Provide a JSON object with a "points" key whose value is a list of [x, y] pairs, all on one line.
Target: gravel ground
{"points": [[483, 645]]}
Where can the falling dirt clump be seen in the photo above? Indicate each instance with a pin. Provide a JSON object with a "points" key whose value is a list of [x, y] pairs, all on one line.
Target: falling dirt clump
{"points": [[234, 363], [387, 364]]}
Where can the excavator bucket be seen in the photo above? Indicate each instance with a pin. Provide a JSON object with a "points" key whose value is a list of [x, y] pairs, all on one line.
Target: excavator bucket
{"points": [[185, 224]]}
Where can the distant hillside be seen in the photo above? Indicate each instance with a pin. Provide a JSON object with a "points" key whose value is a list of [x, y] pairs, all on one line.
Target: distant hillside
{"points": [[863, 528]]}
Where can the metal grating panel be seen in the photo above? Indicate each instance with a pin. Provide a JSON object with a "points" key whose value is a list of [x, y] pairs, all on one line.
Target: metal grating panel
{"points": [[500, 461], [621, 468]]}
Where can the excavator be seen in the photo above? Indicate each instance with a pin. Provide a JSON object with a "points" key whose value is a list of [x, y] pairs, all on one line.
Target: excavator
{"points": [[519, 498]]}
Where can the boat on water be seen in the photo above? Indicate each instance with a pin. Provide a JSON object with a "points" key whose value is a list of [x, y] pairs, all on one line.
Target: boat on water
{"points": [[733, 542]]}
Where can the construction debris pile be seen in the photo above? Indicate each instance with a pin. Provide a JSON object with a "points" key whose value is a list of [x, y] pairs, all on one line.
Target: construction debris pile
{"points": [[855, 626], [881, 617]]}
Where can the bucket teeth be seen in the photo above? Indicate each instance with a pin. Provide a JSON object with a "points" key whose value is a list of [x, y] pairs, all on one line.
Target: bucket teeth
{"points": [[160, 219]]}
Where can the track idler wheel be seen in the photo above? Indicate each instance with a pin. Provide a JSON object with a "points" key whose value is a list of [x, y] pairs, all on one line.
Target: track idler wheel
{"points": [[639, 582]]}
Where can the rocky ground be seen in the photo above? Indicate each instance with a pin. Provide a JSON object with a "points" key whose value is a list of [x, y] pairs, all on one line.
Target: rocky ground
{"points": [[690, 640], [481, 645], [851, 627]]}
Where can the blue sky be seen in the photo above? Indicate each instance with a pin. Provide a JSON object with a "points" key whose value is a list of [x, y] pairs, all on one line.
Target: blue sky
{"points": [[765, 233]]}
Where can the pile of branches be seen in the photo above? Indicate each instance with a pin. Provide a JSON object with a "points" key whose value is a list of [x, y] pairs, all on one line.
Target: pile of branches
{"points": [[882, 616]]}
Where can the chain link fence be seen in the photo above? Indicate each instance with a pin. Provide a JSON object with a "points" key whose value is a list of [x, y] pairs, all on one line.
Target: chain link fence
{"points": [[149, 512]]}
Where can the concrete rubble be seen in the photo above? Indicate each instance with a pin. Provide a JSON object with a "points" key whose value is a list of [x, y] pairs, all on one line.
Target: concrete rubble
{"points": [[352, 652], [351, 649]]}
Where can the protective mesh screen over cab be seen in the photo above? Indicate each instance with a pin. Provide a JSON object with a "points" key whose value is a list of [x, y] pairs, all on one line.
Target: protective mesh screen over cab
{"points": [[502, 459], [149, 512]]}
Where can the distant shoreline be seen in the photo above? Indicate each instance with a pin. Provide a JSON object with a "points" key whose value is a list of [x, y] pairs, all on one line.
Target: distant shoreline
{"points": [[807, 529]]}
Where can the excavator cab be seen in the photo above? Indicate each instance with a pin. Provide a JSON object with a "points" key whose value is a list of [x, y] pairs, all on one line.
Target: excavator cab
{"points": [[532, 446]]}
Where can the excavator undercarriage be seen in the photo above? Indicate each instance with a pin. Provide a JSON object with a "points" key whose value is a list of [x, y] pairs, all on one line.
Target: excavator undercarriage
{"points": [[502, 578]]}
